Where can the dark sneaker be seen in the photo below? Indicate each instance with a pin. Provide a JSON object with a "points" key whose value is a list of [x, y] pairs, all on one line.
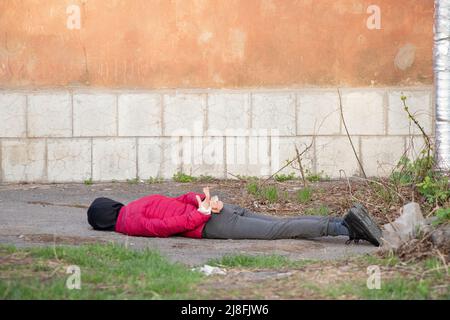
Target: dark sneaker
{"points": [[361, 225]]}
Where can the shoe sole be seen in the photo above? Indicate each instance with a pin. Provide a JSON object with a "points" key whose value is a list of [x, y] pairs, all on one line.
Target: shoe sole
{"points": [[359, 215]]}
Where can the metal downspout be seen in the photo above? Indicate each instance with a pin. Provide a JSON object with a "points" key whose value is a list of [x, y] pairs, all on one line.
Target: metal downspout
{"points": [[442, 82]]}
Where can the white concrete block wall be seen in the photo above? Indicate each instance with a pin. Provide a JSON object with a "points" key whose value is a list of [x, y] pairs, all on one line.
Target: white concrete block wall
{"points": [[364, 112], [24, 160], [159, 157], [248, 155], [150, 157], [104, 135], [418, 103], [414, 146], [94, 115], [184, 114], [318, 113], [237, 156], [172, 156], [259, 154], [69, 160], [283, 150], [13, 115], [274, 110], [228, 114], [380, 155], [140, 115], [49, 115], [114, 159], [203, 156], [334, 154]]}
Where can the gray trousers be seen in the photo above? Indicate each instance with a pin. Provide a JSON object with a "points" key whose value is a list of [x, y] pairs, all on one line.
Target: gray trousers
{"points": [[234, 222]]}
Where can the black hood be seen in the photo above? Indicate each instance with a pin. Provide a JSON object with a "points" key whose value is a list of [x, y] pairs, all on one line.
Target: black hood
{"points": [[102, 213]]}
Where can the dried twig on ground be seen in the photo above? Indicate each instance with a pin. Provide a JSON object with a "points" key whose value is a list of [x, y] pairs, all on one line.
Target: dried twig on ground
{"points": [[416, 249], [383, 185], [348, 181]]}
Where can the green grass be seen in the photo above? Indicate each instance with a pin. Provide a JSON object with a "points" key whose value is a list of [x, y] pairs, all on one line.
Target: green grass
{"points": [[205, 178], [386, 195], [88, 182], [316, 177], [257, 262], [253, 188], [7, 249], [395, 283], [154, 180], [432, 185], [183, 178], [107, 272], [133, 181], [304, 195], [321, 210], [392, 289], [388, 261], [284, 196], [270, 194], [313, 177], [398, 287], [284, 177], [442, 216], [247, 178], [114, 272]]}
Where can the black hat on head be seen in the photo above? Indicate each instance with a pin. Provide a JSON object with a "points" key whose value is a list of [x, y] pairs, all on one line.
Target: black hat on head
{"points": [[103, 212]]}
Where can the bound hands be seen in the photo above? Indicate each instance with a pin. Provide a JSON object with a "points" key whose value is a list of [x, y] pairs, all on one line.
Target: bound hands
{"points": [[209, 204]]}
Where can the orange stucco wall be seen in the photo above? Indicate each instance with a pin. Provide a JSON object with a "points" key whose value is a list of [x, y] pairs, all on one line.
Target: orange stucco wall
{"points": [[214, 43]]}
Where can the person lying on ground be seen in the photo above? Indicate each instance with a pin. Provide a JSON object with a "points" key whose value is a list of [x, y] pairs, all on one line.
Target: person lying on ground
{"points": [[197, 215]]}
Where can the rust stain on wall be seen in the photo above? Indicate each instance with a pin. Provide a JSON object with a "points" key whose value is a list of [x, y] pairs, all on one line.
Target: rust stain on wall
{"points": [[214, 43]]}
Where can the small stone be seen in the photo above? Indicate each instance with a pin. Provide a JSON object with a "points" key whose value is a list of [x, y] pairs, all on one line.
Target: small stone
{"points": [[404, 227], [441, 236], [426, 228], [430, 220]]}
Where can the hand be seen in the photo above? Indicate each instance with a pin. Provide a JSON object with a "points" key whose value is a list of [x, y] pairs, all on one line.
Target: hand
{"points": [[216, 204], [213, 204], [207, 195], [206, 203]]}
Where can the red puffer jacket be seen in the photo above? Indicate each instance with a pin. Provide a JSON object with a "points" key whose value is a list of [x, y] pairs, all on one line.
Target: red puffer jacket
{"points": [[161, 216]]}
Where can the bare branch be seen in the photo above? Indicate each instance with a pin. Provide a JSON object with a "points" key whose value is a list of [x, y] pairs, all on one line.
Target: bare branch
{"points": [[348, 135]]}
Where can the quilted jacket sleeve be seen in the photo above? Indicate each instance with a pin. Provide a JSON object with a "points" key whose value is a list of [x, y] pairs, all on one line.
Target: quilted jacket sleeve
{"points": [[190, 198], [176, 224]]}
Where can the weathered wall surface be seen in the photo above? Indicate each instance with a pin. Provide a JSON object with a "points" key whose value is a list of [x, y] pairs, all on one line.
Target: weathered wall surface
{"points": [[64, 136], [147, 88], [214, 43]]}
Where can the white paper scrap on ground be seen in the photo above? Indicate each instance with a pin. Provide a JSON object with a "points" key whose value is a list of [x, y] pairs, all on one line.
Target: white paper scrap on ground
{"points": [[210, 270]]}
